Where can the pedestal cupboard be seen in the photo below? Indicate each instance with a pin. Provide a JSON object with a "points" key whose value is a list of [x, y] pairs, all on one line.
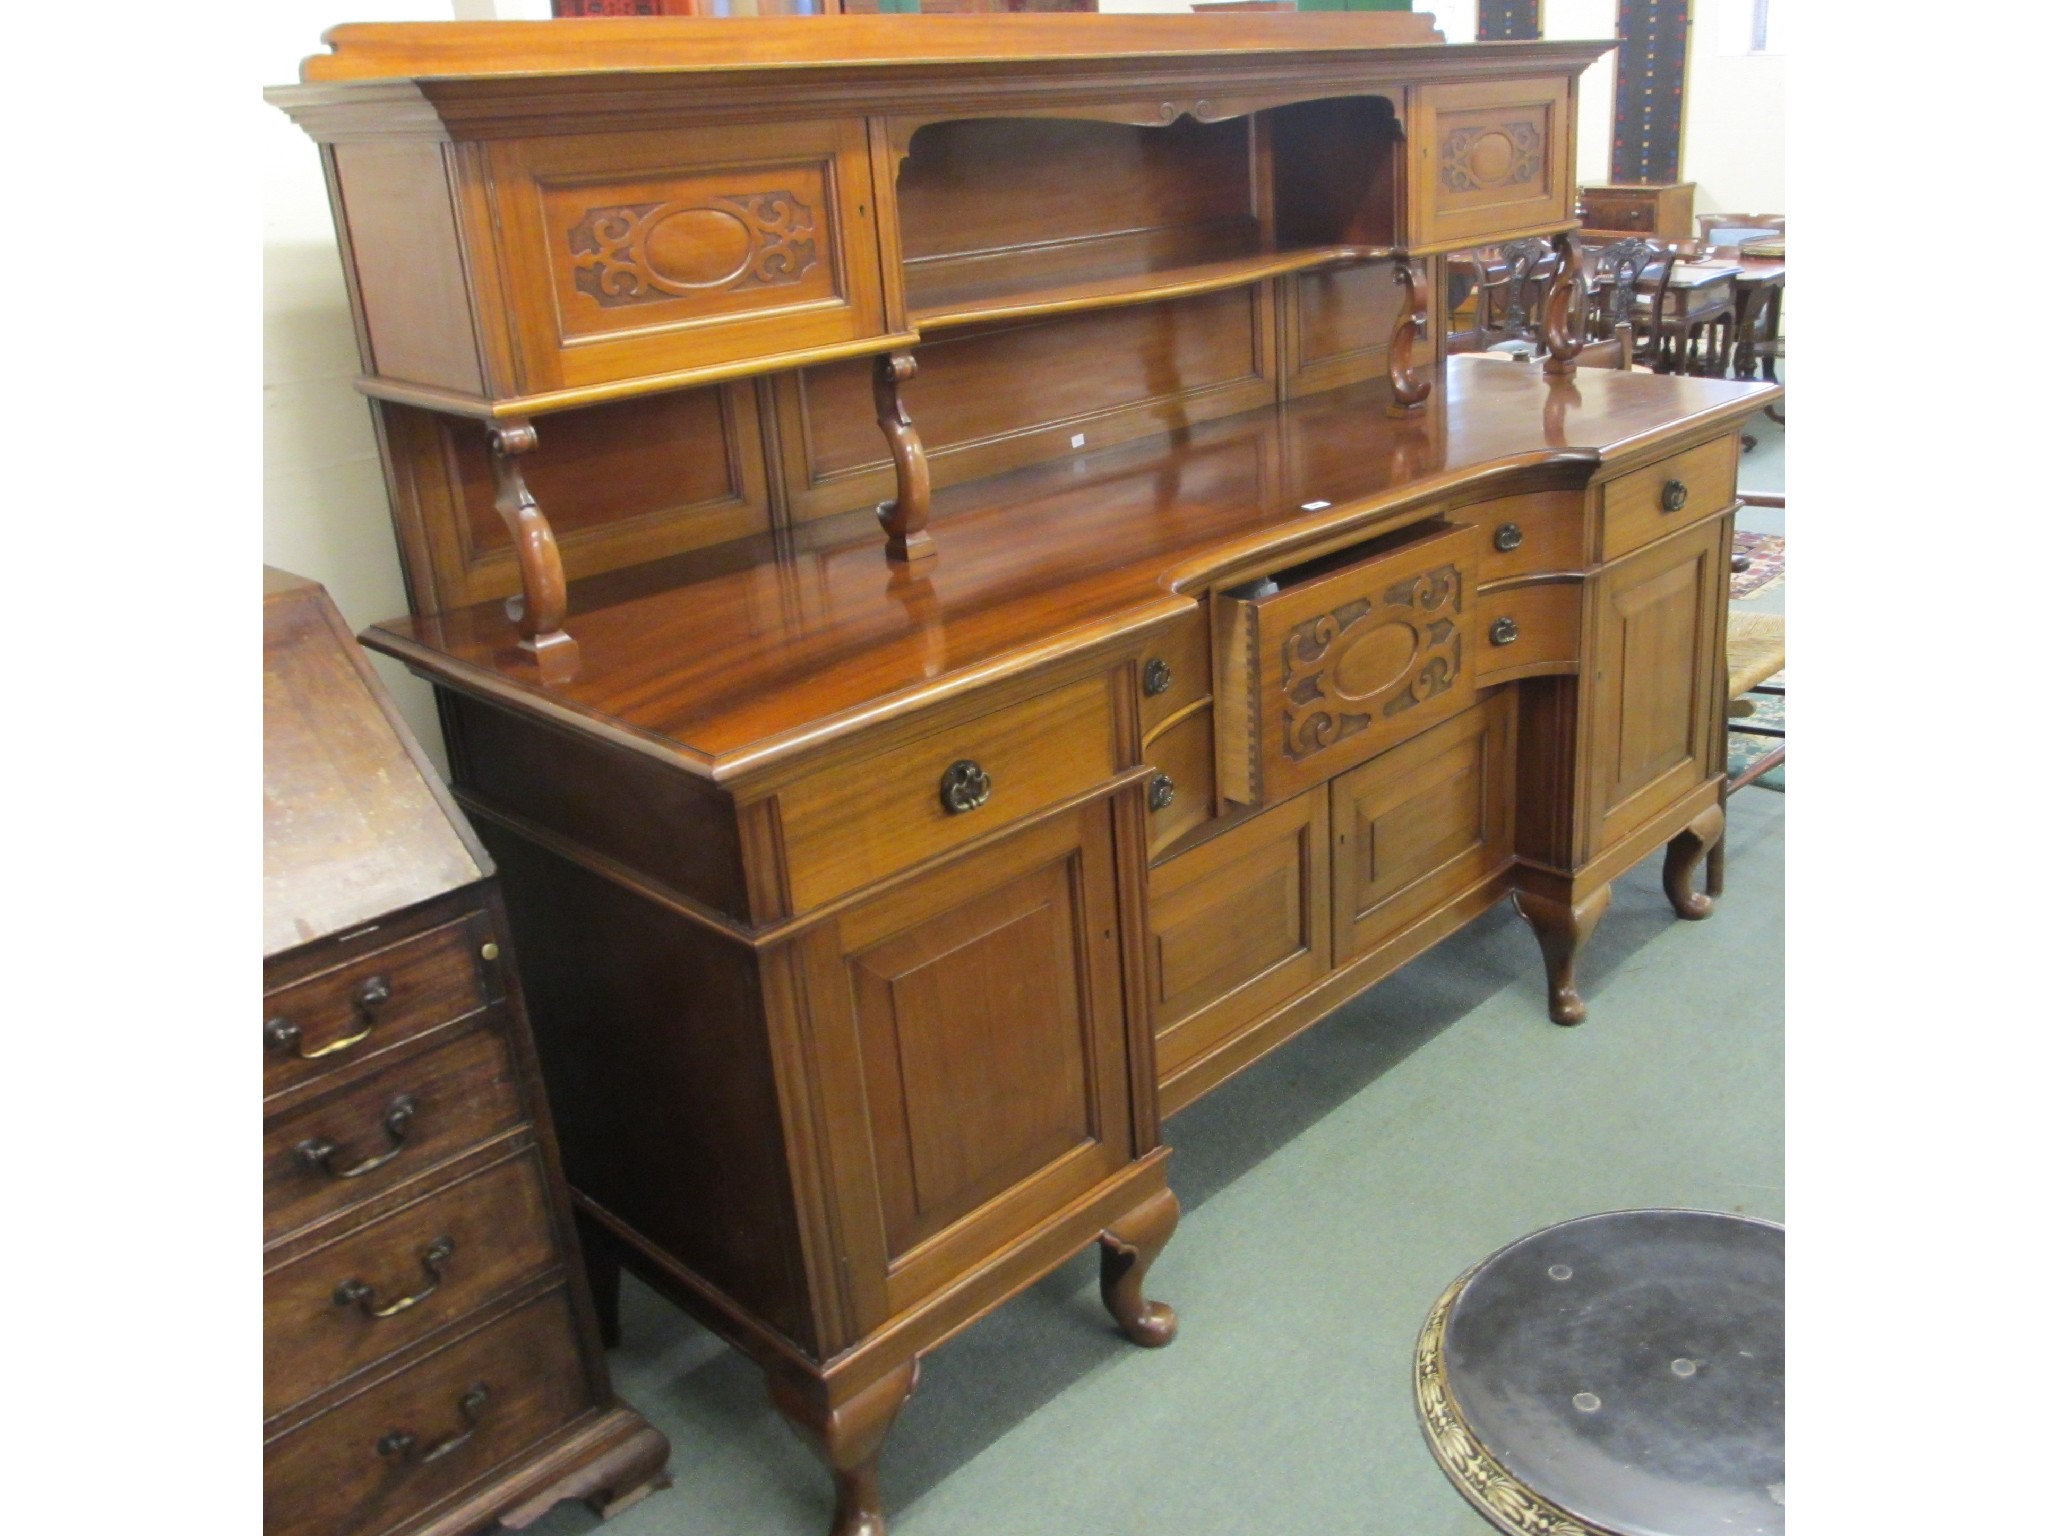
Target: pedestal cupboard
{"points": [[879, 888]]}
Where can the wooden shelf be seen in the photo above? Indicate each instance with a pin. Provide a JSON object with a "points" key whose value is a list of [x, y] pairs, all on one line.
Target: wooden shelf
{"points": [[940, 313]]}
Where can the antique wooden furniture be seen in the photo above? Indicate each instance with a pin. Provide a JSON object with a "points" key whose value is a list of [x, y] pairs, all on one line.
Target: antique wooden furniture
{"points": [[880, 887], [1615, 1375], [1662, 210], [1691, 318], [430, 1363]]}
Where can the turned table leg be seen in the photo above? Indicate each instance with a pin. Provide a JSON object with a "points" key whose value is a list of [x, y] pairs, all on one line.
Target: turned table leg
{"points": [[1682, 856], [1562, 929], [1128, 1250], [847, 1437]]}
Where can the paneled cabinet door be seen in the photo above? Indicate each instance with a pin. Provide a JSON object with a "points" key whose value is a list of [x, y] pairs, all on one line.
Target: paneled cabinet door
{"points": [[1655, 687], [971, 1040]]}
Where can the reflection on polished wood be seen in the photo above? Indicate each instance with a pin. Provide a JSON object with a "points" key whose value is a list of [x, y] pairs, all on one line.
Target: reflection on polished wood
{"points": [[728, 658]]}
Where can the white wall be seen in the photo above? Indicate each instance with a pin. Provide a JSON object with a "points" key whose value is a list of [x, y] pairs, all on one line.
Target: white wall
{"points": [[1734, 115]]}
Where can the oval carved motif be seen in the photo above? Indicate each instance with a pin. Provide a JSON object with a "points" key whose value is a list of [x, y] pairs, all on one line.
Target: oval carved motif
{"points": [[1491, 158], [698, 248], [1375, 661]]}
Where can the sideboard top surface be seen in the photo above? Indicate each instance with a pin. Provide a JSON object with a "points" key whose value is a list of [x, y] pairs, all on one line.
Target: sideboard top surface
{"points": [[739, 655], [355, 824]]}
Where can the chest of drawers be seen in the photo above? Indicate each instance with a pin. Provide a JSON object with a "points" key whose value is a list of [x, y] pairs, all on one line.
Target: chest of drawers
{"points": [[430, 1360]]}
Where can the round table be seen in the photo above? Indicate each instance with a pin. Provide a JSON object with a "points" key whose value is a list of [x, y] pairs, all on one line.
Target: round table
{"points": [[1616, 1375]]}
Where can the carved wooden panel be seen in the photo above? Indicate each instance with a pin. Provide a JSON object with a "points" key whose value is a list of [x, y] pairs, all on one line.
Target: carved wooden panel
{"points": [[1348, 657], [1489, 161], [1238, 925], [1416, 825], [1655, 687], [638, 254], [985, 1000]]}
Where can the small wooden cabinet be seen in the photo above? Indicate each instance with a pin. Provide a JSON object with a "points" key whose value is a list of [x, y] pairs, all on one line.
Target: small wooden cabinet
{"points": [[430, 1365]]}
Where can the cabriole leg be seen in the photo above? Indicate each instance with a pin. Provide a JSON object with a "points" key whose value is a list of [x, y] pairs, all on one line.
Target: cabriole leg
{"points": [[1562, 929], [1682, 856], [1128, 1250], [848, 1438]]}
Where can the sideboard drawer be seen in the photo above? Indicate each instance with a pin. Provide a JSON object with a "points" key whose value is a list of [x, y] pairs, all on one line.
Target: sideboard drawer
{"points": [[387, 1128], [336, 1019], [1663, 497], [410, 1441], [1173, 671], [1325, 664], [329, 1313], [855, 823], [1522, 628], [1182, 791], [1533, 534]]}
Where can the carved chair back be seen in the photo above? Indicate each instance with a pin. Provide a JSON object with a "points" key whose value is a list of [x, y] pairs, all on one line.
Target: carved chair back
{"points": [[1511, 284]]}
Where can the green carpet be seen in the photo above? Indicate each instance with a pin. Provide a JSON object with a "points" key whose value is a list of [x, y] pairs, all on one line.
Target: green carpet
{"points": [[1330, 1193]]}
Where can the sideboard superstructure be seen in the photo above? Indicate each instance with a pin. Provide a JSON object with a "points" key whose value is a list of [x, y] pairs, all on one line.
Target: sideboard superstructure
{"points": [[1219, 648]]}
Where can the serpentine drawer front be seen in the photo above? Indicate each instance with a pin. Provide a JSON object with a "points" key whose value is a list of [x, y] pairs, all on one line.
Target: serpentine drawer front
{"points": [[383, 999], [1529, 629], [851, 824], [423, 1433], [1665, 496], [1330, 662]]}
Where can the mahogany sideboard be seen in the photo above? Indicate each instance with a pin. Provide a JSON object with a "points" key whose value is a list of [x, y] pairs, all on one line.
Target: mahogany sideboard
{"points": [[1219, 648], [430, 1360]]}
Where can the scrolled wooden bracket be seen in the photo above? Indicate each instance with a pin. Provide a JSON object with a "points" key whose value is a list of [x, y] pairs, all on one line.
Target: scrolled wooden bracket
{"points": [[903, 516], [1561, 340], [1411, 389], [543, 602]]}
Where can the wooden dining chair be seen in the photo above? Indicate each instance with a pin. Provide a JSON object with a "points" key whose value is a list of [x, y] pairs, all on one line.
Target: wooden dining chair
{"points": [[1756, 653]]}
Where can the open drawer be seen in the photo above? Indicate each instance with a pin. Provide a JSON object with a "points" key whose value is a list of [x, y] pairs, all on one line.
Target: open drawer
{"points": [[1323, 665]]}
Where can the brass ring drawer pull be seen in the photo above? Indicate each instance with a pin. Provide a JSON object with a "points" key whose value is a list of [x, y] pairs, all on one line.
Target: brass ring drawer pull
{"points": [[353, 1293], [1507, 537], [283, 1034], [1505, 631], [964, 787], [1672, 497], [405, 1445], [318, 1151], [1158, 677], [1160, 794]]}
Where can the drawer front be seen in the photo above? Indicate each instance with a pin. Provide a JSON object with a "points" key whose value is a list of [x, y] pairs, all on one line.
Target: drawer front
{"points": [[1635, 214], [1528, 630], [646, 253], [390, 1127], [1238, 926], [330, 1313], [1174, 670], [1183, 759], [1534, 534], [1412, 829], [383, 999], [1660, 498], [1487, 159], [415, 1438], [1343, 661], [854, 824]]}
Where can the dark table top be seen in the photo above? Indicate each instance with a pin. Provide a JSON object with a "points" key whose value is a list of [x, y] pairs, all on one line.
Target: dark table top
{"points": [[1630, 1368]]}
